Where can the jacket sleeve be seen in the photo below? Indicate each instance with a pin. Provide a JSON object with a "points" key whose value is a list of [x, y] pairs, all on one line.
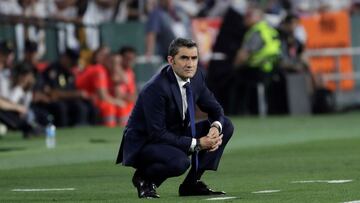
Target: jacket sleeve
{"points": [[154, 101], [208, 103]]}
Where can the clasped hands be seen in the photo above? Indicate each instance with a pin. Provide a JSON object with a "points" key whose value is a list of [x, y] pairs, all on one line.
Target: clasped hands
{"points": [[212, 140]]}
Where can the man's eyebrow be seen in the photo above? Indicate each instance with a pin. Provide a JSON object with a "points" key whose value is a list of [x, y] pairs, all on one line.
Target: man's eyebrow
{"points": [[185, 56]]}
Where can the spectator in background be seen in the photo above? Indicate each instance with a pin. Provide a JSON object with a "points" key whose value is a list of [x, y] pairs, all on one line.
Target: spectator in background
{"points": [[133, 8], [118, 87], [191, 7], [6, 63], [23, 81], [291, 48], [13, 112], [31, 56], [227, 43], [59, 80], [12, 115], [35, 11], [256, 59], [292, 59], [128, 88], [67, 11], [165, 22], [100, 11], [213, 8], [96, 81], [40, 98], [15, 84]]}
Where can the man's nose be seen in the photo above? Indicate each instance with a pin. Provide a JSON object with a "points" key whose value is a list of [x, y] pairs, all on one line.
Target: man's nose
{"points": [[190, 62]]}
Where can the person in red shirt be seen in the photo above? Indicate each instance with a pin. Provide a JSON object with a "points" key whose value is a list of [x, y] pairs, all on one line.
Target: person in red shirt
{"points": [[128, 88], [118, 87], [96, 81]]}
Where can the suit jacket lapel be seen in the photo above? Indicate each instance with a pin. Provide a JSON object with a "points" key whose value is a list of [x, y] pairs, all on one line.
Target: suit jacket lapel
{"points": [[175, 90]]}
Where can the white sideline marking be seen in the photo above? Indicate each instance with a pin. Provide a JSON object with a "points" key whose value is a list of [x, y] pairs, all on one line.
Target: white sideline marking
{"points": [[339, 181], [220, 198], [322, 181], [42, 190], [355, 201], [266, 191]]}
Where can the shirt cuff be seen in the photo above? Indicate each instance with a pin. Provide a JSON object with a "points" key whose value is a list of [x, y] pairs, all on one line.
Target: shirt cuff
{"points": [[218, 124], [193, 144]]}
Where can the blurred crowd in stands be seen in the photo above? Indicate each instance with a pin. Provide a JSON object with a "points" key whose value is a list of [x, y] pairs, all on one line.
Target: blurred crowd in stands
{"points": [[256, 37], [30, 96]]}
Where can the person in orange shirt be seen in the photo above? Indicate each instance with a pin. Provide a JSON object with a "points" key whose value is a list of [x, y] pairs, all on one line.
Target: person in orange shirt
{"points": [[118, 88], [128, 88], [96, 81]]}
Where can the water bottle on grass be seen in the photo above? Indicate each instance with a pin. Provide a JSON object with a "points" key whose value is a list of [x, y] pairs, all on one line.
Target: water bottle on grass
{"points": [[50, 132]]}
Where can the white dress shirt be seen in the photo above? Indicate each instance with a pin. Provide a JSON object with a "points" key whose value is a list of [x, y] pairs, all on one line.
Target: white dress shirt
{"points": [[181, 84]]}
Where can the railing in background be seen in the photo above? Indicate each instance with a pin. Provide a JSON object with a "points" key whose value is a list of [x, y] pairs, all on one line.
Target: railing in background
{"points": [[329, 30], [57, 34], [343, 98], [53, 35], [355, 41], [56, 39]]}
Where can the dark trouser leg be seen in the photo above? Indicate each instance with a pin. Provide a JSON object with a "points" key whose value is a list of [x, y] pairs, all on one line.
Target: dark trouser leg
{"points": [[77, 112], [41, 114], [13, 121], [157, 162], [59, 110], [93, 113], [209, 160], [10, 119]]}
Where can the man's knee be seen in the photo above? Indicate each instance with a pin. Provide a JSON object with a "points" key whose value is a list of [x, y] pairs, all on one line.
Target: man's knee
{"points": [[228, 128], [179, 166]]}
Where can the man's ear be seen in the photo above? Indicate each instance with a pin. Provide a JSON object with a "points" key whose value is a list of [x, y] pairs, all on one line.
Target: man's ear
{"points": [[170, 60]]}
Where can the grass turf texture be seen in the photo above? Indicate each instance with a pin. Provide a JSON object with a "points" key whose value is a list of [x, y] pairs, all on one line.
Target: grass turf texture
{"points": [[264, 154]]}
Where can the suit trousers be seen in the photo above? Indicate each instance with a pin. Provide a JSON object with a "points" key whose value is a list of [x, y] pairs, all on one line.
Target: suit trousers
{"points": [[158, 161]]}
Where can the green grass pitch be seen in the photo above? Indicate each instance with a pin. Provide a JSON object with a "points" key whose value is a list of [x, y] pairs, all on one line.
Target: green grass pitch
{"points": [[264, 154]]}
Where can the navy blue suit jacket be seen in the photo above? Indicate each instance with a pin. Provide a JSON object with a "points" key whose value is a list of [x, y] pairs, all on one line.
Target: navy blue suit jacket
{"points": [[157, 115]]}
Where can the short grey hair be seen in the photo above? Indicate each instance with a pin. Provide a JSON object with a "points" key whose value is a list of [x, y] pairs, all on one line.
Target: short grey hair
{"points": [[180, 42]]}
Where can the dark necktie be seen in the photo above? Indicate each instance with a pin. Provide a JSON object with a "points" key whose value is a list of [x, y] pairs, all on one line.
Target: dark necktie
{"points": [[191, 113]]}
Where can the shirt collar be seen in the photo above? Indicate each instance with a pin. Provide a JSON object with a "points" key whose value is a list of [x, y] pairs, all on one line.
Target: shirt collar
{"points": [[180, 81]]}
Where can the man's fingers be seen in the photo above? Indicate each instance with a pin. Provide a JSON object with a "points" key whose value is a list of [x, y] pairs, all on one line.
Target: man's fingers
{"points": [[220, 142], [219, 139], [216, 144], [213, 149], [213, 132]]}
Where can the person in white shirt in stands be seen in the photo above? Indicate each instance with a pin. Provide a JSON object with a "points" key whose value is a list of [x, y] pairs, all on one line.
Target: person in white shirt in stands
{"points": [[14, 115]]}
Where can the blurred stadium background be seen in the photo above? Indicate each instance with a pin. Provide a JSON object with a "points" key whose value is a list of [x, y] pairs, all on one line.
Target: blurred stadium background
{"points": [[299, 131]]}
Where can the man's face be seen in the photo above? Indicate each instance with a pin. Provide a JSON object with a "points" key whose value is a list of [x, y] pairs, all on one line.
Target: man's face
{"points": [[102, 55], [129, 59], [185, 62]]}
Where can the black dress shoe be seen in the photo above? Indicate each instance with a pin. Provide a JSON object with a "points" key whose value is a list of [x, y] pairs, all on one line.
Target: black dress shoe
{"points": [[144, 188], [151, 193], [197, 189]]}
